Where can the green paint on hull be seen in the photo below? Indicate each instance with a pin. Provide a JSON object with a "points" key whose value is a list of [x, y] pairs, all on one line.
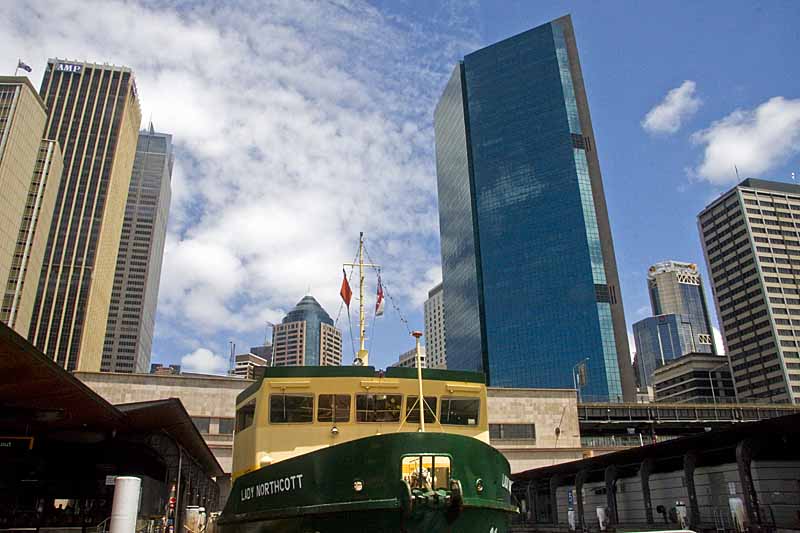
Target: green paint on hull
{"points": [[314, 492]]}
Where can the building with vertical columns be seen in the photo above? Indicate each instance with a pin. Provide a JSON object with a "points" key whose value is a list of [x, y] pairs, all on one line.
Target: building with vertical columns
{"points": [[93, 113], [23, 278], [529, 273], [435, 338], [306, 336], [751, 241], [29, 172], [131, 317]]}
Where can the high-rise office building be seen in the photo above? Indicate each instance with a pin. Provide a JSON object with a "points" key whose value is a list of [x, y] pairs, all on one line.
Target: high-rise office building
{"points": [[409, 359], [659, 340], [680, 324], [530, 278], [131, 317], [306, 337], [752, 248], [694, 378], [436, 345], [677, 288], [94, 115], [30, 168], [249, 365]]}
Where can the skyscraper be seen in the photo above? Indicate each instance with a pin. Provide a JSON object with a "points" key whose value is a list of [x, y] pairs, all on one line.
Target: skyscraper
{"points": [[677, 288], [752, 248], [30, 168], [131, 317], [681, 324], [530, 278], [659, 340], [306, 336], [94, 115], [435, 338]]}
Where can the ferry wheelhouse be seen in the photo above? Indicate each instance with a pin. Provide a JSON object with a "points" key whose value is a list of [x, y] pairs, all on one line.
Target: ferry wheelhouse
{"points": [[342, 449]]}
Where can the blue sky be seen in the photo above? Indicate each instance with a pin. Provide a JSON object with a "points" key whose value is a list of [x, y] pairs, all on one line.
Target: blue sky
{"points": [[299, 124]]}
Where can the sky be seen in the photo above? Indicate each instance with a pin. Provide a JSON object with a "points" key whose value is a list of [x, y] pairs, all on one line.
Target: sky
{"points": [[299, 124]]}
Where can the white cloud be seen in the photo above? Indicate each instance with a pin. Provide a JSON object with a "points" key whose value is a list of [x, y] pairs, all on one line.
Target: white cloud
{"points": [[718, 341], [756, 141], [297, 125], [678, 105], [204, 361]]}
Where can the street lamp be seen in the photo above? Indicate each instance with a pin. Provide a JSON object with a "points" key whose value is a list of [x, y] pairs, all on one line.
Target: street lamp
{"points": [[575, 381]]}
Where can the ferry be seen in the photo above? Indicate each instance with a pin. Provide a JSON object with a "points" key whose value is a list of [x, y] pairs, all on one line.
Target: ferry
{"points": [[324, 449]]}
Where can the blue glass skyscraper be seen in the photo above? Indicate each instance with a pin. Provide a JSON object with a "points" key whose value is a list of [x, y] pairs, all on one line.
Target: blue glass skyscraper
{"points": [[530, 278], [680, 324]]}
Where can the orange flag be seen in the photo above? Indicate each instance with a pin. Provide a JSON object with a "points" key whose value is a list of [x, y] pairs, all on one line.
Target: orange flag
{"points": [[345, 292]]}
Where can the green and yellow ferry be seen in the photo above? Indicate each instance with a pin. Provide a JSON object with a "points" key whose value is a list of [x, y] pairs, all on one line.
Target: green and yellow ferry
{"points": [[324, 449]]}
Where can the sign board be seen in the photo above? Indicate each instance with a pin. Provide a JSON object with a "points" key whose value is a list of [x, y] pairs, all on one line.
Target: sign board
{"points": [[8, 444], [72, 68]]}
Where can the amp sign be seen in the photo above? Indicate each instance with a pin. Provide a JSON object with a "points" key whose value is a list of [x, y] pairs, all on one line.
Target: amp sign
{"points": [[69, 67]]}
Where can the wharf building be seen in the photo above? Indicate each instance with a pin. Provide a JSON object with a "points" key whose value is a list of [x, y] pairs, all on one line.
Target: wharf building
{"points": [[94, 115], [752, 246], [529, 274], [435, 338], [131, 316], [306, 336], [409, 359], [30, 170]]}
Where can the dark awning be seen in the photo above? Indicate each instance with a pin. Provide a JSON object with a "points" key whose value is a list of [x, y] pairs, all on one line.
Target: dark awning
{"points": [[152, 416]]}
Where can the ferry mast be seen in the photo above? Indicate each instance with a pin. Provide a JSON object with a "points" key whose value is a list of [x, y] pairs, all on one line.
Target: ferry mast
{"points": [[362, 357]]}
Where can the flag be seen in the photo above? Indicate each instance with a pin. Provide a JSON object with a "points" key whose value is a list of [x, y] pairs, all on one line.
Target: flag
{"points": [[345, 292], [23, 66], [379, 301]]}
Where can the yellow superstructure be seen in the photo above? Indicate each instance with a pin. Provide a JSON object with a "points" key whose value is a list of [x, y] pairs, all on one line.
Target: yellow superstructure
{"points": [[297, 410]]}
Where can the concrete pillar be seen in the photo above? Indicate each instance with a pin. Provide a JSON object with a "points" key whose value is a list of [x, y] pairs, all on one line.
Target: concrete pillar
{"points": [[689, 464], [580, 479], [645, 469], [611, 475], [744, 459], [125, 506], [555, 482]]}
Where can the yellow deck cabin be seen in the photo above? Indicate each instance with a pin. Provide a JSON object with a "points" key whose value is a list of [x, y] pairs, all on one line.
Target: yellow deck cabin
{"points": [[292, 411]]}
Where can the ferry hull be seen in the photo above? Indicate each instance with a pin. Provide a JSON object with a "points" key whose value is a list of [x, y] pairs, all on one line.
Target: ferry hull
{"points": [[315, 492]]}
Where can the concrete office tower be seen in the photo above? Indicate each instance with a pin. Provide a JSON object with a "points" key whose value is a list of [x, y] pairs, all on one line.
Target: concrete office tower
{"points": [[94, 115], [27, 189], [23, 278], [306, 336], [681, 324], [676, 288], [530, 278], [752, 247], [409, 359], [250, 365], [131, 317], [694, 378], [434, 329]]}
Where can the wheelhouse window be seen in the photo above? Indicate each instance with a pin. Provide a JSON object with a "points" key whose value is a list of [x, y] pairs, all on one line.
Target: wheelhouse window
{"points": [[412, 409], [333, 408], [245, 415], [427, 472], [291, 408], [378, 407], [460, 411]]}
